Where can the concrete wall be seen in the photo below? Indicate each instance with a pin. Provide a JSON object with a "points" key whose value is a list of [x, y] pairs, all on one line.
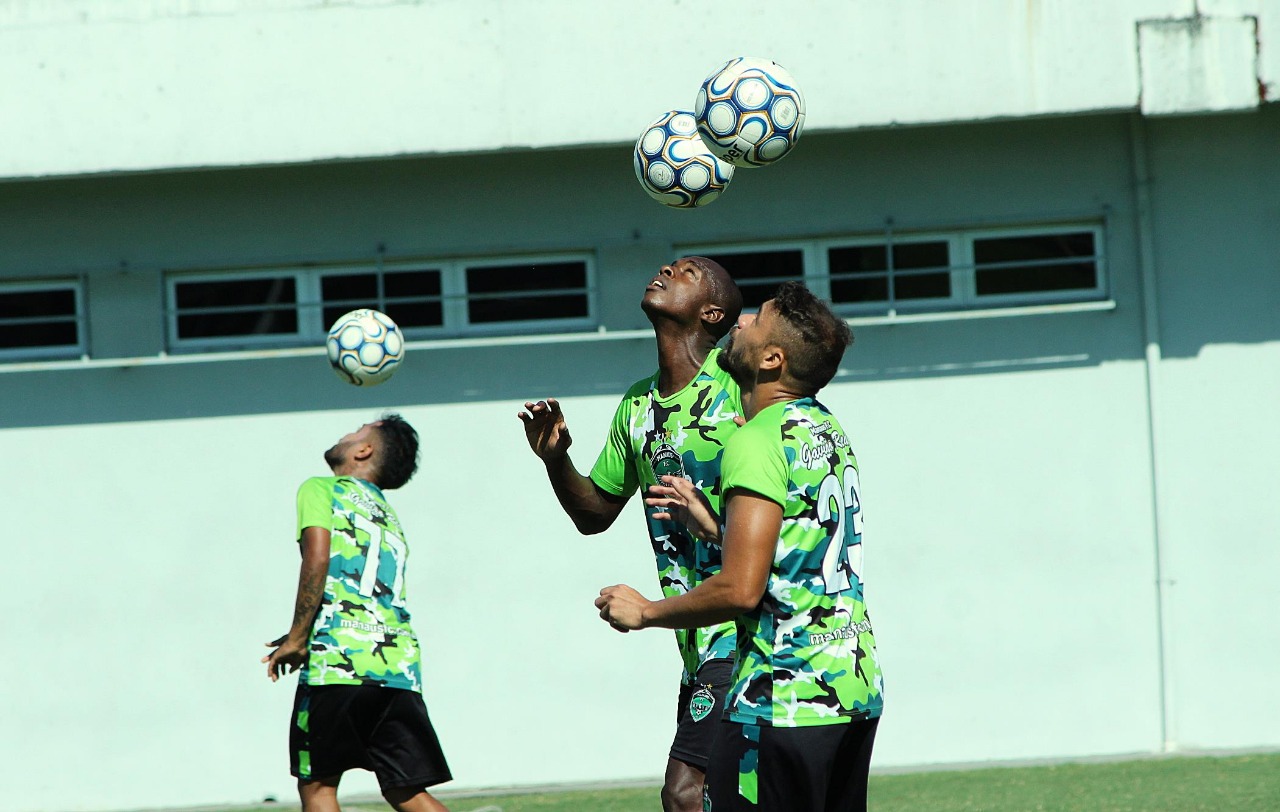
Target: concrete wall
{"points": [[1011, 493], [92, 86]]}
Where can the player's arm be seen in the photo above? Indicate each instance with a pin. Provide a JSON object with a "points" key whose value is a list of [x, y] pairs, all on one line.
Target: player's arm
{"points": [[291, 648], [591, 509], [752, 525]]}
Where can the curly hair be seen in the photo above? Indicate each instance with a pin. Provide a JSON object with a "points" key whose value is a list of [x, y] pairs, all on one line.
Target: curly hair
{"points": [[397, 451], [813, 338]]}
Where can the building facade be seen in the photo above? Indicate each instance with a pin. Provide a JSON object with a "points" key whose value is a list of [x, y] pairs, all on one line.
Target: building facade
{"points": [[1054, 226]]}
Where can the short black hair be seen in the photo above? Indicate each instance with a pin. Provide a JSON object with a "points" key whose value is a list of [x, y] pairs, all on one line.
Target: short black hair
{"points": [[810, 334], [397, 451], [724, 294]]}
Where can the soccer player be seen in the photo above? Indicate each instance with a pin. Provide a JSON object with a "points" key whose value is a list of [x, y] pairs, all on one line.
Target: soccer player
{"points": [[359, 698], [807, 692], [674, 422]]}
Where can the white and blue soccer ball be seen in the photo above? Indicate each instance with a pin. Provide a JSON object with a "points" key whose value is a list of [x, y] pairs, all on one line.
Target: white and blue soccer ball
{"points": [[365, 347], [750, 111], [675, 167]]}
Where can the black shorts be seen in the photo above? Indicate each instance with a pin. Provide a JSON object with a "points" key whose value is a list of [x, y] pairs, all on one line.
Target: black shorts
{"points": [[758, 768], [385, 730], [698, 712]]}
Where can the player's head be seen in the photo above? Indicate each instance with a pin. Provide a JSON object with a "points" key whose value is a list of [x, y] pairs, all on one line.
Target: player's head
{"points": [[384, 452], [694, 292], [795, 338], [397, 457]]}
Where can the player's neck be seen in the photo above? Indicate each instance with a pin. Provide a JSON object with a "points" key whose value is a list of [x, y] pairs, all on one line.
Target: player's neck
{"points": [[769, 393], [356, 471], [680, 356]]}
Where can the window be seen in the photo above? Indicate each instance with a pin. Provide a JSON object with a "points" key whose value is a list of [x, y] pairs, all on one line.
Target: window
{"points": [[527, 292], [884, 272], [1035, 263], [412, 297], [927, 272], [240, 309], [41, 320]]}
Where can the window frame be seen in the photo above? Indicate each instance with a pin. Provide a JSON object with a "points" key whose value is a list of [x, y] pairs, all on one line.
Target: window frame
{"points": [[310, 305], [80, 318]]}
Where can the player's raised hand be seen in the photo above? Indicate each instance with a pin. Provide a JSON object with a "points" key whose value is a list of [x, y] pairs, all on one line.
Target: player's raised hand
{"points": [[679, 499], [289, 655], [545, 429], [622, 607]]}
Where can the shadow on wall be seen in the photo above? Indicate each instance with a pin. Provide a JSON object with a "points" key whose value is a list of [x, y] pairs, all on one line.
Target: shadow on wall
{"points": [[521, 372]]}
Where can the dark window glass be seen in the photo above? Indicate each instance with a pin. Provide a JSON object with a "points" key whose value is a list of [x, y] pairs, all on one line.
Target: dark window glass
{"points": [[38, 318], [410, 298], [758, 273], [860, 273], [342, 293], [413, 298], [1035, 263], [527, 292], [239, 307]]}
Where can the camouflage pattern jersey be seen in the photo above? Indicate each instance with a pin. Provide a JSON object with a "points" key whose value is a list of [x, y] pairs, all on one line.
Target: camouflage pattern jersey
{"points": [[361, 634], [683, 434], [806, 654]]}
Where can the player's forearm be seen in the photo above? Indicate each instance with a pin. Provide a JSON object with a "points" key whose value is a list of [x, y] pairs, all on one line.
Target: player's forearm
{"points": [[716, 600], [311, 580], [579, 497]]}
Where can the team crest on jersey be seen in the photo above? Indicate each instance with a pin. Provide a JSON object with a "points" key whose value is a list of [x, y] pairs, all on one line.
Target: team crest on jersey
{"points": [[702, 703], [666, 461]]}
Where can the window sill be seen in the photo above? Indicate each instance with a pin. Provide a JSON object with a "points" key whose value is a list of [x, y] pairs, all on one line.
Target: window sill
{"points": [[165, 359]]}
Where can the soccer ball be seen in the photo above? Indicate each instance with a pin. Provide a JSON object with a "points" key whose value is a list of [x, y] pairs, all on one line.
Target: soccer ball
{"points": [[365, 347], [675, 167], [750, 111]]}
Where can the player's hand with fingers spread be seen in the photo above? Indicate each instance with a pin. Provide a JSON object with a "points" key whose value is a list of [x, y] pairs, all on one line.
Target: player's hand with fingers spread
{"points": [[622, 607], [289, 655], [545, 429], [679, 499]]}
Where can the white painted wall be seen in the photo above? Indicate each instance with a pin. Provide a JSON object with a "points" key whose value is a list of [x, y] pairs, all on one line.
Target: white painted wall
{"points": [[92, 86], [1011, 545]]}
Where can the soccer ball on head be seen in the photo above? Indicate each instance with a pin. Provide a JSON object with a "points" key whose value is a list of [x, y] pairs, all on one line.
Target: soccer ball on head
{"points": [[675, 167], [750, 111], [365, 347]]}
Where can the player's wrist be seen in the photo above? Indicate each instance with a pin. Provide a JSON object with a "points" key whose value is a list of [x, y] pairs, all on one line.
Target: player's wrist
{"points": [[648, 614]]}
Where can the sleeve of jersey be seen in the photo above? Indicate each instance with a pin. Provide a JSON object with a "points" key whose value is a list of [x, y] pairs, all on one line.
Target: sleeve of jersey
{"points": [[754, 461], [614, 471], [315, 505]]}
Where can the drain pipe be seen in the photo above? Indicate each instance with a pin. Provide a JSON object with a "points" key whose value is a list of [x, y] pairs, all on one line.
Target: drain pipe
{"points": [[1151, 341]]}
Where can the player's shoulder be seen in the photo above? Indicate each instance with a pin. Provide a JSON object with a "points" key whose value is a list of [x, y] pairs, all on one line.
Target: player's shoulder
{"points": [[318, 483], [764, 427], [640, 388]]}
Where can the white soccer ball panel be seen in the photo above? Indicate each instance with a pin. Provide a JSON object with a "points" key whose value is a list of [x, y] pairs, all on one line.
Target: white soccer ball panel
{"points": [[695, 177], [652, 141], [784, 112], [751, 94], [722, 118]]}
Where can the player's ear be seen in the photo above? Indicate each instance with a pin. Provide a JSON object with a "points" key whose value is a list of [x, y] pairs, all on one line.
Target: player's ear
{"points": [[712, 314], [362, 452], [773, 357]]}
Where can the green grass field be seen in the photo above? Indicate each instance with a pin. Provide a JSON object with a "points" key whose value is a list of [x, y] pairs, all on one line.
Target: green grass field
{"points": [[1175, 784]]}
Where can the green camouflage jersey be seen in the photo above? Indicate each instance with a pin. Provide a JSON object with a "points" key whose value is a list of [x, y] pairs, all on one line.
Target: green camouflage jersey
{"points": [[683, 435], [361, 634], [806, 654]]}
